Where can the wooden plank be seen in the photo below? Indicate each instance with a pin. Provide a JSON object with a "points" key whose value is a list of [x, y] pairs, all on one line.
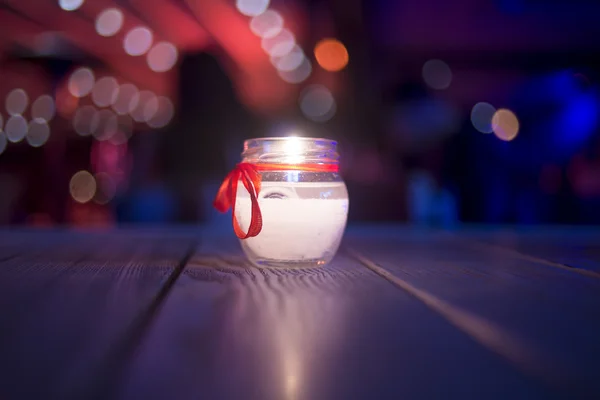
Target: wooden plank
{"points": [[574, 248], [231, 331], [542, 320], [67, 302]]}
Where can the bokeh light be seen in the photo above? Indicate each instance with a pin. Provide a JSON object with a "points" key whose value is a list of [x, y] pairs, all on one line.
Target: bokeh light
{"points": [[43, 108], [16, 102], [138, 41], [317, 103], [106, 91], [3, 142], [81, 82], [437, 74], [290, 61], [505, 124], [164, 114], [109, 22], [82, 187], [481, 117], [297, 75], [124, 131], [162, 57], [150, 108], [16, 128], [85, 120], [127, 99], [110, 158], [279, 45], [106, 188], [331, 55], [38, 133], [139, 110], [252, 8], [267, 24], [108, 125], [70, 5]]}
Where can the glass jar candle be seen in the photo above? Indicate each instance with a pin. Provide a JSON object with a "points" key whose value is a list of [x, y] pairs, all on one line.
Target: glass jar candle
{"points": [[289, 202]]}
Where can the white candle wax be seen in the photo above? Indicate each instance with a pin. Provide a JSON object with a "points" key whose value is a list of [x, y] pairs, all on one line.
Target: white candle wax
{"points": [[305, 225]]}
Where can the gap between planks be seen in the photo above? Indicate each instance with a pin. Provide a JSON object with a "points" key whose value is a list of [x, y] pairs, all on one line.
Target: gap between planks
{"points": [[107, 377], [525, 257], [488, 334]]}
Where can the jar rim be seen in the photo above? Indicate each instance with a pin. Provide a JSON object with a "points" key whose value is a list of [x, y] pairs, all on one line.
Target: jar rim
{"points": [[281, 138], [280, 149]]}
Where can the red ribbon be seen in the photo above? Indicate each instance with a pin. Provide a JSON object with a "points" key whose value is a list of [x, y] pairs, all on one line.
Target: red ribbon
{"points": [[250, 176]]}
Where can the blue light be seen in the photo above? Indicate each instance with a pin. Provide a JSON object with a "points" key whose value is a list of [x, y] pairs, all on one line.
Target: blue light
{"points": [[578, 121]]}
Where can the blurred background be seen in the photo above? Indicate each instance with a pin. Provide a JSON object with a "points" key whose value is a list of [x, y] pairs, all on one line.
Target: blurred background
{"points": [[132, 111]]}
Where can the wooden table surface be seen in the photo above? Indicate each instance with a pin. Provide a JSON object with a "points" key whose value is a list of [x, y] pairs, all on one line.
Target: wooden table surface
{"points": [[401, 313]]}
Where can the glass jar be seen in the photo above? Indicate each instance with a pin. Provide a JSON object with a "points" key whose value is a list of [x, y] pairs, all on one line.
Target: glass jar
{"points": [[303, 202]]}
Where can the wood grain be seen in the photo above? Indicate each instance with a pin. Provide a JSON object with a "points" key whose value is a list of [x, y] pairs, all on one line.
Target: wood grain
{"points": [[231, 331], [542, 320], [399, 314], [576, 249], [66, 299]]}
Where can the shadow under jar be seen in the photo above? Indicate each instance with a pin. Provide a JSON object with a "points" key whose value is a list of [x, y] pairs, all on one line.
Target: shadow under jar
{"points": [[304, 211]]}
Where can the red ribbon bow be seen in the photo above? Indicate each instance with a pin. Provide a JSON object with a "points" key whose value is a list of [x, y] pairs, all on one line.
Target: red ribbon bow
{"points": [[251, 179]]}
